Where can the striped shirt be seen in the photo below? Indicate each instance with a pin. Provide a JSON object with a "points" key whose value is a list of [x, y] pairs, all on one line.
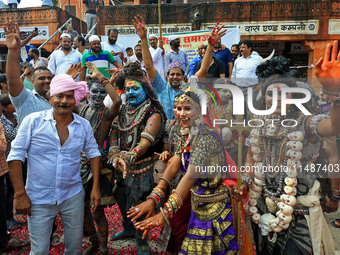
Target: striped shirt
{"points": [[101, 61]]}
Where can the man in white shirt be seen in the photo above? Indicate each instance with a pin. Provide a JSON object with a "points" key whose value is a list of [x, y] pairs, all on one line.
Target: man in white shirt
{"points": [[138, 55], [53, 141], [37, 61], [157, 53], [244, 71], [116, 49], [62, 59], [79, 44]]}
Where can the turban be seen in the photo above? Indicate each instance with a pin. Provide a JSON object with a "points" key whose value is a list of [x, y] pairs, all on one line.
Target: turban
{"points": [[64, 82], [176, 64]]}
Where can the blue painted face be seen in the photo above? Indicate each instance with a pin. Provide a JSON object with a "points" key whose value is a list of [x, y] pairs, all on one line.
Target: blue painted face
{"points": [[135, 92]]}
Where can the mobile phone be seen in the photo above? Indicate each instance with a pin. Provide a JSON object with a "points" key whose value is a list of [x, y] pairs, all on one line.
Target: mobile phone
{"points": [[36, 29]]}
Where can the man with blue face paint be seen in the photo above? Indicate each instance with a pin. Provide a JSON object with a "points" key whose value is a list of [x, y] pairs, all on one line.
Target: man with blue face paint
{"points": [[135, 93], [136, 135], [100, 118]]}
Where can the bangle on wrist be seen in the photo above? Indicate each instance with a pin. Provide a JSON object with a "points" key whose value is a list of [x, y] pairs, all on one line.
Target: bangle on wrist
{"points": [[164, 216], [166, 180], [19, 195]]}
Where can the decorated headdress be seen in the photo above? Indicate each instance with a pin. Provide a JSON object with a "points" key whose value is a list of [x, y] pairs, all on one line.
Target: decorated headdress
{"points": [[196, 97], [176, 65], [189, 96]]}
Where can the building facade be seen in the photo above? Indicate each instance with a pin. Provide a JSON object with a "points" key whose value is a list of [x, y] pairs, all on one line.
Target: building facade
{"points": [[297, 29]]}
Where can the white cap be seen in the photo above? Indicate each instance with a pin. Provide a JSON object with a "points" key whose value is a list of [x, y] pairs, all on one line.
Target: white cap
{"points": [[65, 35], [152, 35], [172, 38], [94, 38]]}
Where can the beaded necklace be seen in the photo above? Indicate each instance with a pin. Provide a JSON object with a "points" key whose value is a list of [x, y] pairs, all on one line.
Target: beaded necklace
{"points": [[98, 119], [128, 125]]}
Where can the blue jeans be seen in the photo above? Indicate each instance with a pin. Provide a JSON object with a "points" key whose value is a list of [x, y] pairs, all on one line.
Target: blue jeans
{"points": [[41, 221]]}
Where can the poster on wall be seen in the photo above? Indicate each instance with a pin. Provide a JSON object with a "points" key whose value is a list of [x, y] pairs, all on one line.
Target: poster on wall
{"points": [[43, 33]]}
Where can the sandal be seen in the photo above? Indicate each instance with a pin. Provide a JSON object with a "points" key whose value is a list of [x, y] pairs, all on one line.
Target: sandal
{"points": [[13, 245], [13, 225], [334, 223]]}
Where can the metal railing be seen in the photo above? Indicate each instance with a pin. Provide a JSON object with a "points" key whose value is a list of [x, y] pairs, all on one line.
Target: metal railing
{"points": [[59, 30], [89, 33]]}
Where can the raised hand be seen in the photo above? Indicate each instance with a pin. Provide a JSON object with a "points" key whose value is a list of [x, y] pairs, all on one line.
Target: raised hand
{"points": [[95, 73], [328, 71], [140, 27], [74, 70], [114, 74], [28, 70], [12, 35], [34, 33], [216, 34]]}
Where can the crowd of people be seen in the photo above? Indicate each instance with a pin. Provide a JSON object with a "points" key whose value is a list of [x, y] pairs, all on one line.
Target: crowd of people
{"points": [[88, 128]]}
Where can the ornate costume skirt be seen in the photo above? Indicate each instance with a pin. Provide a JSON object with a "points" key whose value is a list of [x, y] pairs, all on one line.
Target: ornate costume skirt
{"points": [[216, 236]]}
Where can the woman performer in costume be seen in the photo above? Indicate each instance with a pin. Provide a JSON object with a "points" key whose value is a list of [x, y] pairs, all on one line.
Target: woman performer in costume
{"points": [[175, 165], [285, 203], [135, 136], [210, 227]]}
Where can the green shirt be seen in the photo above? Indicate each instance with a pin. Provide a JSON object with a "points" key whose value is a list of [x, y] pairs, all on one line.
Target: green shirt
{"points": [[28, 84], [101, 61]]}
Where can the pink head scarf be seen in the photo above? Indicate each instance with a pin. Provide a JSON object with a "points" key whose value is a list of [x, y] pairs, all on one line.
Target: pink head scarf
{"points": [[64, 82]]}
